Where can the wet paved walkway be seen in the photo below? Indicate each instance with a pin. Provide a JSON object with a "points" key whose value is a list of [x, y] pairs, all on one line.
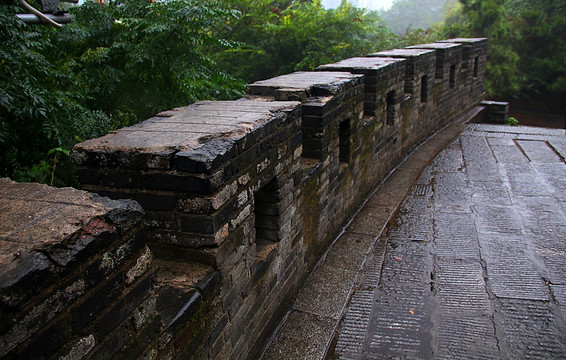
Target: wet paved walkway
{"points": [[471, 265]]}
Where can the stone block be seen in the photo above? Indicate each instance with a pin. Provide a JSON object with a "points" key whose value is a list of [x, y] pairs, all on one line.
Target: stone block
{"points": [[123, 308], [45, 344], [176, 306], [84, 314], [109, 261], [447, 54]]}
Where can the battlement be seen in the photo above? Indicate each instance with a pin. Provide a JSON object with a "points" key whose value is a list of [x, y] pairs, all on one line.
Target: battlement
{"points": [[240, 199]]}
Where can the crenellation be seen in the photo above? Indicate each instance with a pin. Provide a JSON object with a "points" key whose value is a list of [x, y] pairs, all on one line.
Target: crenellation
{"points": [[240, 198]]}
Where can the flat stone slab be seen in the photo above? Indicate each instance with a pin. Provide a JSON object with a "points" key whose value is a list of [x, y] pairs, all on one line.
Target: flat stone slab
{"points": [[362, 63], [52, 229], [305, 84], [402, 53], [436, 46], [185, 129], [464, 40]]}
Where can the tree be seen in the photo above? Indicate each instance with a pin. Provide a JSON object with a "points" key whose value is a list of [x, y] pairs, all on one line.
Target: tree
{"points": [[41, 112], [527, 46], [117, 63], [489, 18], [279, 37]]}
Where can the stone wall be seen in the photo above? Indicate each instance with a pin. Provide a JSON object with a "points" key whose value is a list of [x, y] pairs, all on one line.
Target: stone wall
{"points": [[75, 275], [242, 197]]}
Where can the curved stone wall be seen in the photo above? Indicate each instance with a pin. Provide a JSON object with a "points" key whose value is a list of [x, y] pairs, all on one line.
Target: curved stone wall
{"points": [[242, 197]]}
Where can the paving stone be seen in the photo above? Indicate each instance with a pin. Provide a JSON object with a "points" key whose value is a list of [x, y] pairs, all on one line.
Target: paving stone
{"points": [[478, 158], [398, 328], [555, 264], [559, 147], [450, 159], [511, 268], [540, 212], [527, 184], [325, 292], [529, 330], [455, 236], [460, 287], [350, 343], [539, 152], [370, 221], [490, 192], [302, 336], [466, 337], [554, 175], [349, 251], [451, 192], [512, 158], [559, 293], [497, 220]]}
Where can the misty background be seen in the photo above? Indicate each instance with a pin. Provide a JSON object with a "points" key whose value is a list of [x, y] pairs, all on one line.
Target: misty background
{"points": [[402, 15]]}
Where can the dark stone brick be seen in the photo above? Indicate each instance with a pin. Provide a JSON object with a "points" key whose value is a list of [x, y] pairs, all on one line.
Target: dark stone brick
{"points": [[185, 183], [123, 308], [156, 202], [233, 299], [208, 224], [218, 328], [125, 214], [73, 254], [29, 275], [189, 349], [43, 345], [260, 269], [245, 159], [317, 109], [316, 144], [267, 144], [265, 129], [177, 306], [112, 344], [209, 285], [318, 121], [139, 344], [85, 313], [88, 176], [99, 269], [296, 140], [207, 158], [166, 251], [116, 178]]}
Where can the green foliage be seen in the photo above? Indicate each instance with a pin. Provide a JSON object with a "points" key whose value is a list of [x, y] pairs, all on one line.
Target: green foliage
{"points": [[280, 37], [527, 46], [489, 18], [116, 64], [512, 121], [38, 109], [136, 57]]}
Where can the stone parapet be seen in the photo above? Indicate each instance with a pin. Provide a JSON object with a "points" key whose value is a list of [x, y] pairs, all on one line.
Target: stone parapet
{"points": [[327, 99], [382, 82], [218, 192], [241, 198], [474, 57], [420, 70], [448, 60]]}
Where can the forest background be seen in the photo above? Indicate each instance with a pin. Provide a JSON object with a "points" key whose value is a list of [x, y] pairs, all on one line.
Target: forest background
{"points": [[122, 61]]}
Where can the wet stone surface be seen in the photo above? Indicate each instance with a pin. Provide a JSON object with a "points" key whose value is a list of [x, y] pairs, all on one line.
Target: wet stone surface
{"points": [[474, 263]]}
